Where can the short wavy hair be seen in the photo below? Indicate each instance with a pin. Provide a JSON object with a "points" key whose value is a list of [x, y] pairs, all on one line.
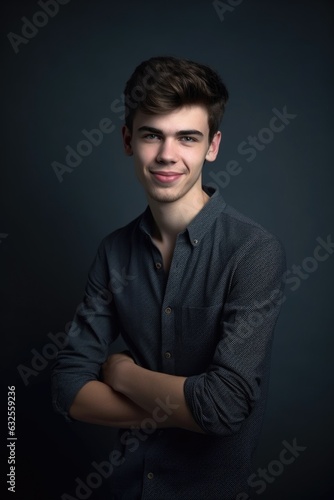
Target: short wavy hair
{"points": [[163, 84]]}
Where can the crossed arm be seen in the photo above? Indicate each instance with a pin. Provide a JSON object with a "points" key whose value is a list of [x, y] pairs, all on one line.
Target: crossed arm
{"points": [[221, 397], [129, 394]]}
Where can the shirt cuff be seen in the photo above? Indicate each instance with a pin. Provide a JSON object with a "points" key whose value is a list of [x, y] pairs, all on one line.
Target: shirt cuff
{"points": [[65, 387]]}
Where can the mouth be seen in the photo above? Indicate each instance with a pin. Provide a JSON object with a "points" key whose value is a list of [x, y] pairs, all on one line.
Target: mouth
{"points": [[166, 177]]}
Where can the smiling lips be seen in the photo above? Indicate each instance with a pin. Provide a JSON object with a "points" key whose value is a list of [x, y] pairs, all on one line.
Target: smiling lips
{"points": [[166, 177]]}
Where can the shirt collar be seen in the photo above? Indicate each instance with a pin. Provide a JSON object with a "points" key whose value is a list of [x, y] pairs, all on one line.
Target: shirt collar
{"points": [[199, 226]]}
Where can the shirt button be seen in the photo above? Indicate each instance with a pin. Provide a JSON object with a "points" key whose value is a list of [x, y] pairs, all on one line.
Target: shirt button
{"points": [[195, 242], [168, 310], [150, 475], [158, 265], [168, 355]]}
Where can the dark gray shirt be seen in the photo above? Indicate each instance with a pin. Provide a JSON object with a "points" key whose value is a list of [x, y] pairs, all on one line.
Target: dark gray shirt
{"points": [[210, 319]]}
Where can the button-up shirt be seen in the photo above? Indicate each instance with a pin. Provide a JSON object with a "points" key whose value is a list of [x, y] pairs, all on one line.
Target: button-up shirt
{"points": [[210, 319]]}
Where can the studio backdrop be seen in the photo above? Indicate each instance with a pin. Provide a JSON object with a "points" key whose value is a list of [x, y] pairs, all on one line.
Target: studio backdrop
{"points": [[66, 183]]}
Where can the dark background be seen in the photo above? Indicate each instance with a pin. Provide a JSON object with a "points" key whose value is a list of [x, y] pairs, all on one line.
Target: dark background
{"points": [[271, 54]]}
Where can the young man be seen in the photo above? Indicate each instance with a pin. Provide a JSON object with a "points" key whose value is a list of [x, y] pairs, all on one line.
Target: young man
{"points": [[193, 287]]}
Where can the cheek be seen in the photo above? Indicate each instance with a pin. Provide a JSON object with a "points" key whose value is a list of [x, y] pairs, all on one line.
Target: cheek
{"points": [[194, 158], [141, 162], [144, 154]]}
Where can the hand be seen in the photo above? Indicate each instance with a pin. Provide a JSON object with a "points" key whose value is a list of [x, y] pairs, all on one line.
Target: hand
{"points": [[110, 369]]}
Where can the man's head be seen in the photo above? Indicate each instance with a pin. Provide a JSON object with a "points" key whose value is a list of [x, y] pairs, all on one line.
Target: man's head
{"points": [[174, 108], [163, 84]]}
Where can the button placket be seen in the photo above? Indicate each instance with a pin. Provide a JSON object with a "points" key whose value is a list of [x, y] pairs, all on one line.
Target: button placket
{"points": [[173, 286], [169, 337]]}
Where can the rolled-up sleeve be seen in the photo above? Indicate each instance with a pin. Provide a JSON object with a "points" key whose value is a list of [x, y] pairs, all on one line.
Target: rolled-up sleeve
{"points": [[223, 397], [92, 330]]}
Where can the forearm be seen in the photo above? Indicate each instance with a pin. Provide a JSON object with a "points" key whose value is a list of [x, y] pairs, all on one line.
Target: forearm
{"points": [[97, 403], [149, 389]]}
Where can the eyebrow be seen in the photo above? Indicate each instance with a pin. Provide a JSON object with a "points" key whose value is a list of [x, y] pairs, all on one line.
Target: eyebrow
{"points": [[179, 133]]}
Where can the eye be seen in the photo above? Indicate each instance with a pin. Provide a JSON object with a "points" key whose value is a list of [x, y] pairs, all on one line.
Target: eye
{"points": [[151, 137], [188, 138]]}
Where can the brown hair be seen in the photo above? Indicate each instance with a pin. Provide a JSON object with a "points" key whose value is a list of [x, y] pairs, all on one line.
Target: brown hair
{"points": [[163, 84]]}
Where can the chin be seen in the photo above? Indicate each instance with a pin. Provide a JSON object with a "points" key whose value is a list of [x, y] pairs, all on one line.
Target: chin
{"points": [[165, 198], [165, 195]]}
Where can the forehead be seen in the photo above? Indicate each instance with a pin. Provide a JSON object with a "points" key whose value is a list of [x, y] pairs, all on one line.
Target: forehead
{"points": [[184, 118]]}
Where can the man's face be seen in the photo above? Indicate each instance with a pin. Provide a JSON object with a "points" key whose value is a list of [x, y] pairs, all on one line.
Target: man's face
{"points": [[169, 151]]}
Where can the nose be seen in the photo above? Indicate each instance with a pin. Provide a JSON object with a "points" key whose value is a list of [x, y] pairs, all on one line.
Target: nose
{"points": [[167, 152]]}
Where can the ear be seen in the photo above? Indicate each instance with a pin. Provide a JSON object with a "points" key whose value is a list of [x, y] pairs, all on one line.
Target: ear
{"points": [[127, 136], [212, 153]]}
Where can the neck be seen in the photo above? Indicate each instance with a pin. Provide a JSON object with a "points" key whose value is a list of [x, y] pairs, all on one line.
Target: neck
{"points": [[173, 217]]}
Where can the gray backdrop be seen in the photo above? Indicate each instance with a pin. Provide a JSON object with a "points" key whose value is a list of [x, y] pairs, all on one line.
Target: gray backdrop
{"points": [[65, 76]]}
